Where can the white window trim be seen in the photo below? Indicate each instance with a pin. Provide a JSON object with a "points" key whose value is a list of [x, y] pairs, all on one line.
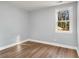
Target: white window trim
{"points": [[70, 8]]}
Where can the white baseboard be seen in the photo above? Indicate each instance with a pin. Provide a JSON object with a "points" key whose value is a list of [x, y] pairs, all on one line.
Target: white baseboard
{"points": [[11, 45], [2, 48], [77, 51], [54, 44]]}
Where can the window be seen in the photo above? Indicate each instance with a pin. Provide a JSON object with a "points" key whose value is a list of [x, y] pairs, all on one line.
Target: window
{"points": [[63, 20]]}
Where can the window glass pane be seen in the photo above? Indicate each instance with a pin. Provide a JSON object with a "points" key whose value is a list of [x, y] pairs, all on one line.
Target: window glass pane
{"points": [[63, 26], [63, 20]]}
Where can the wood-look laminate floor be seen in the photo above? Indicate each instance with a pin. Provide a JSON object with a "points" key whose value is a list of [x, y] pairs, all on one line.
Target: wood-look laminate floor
{"points": [[37, 50]]}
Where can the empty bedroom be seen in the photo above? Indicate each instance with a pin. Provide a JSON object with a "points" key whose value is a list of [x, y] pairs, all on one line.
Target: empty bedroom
{"points": [[39, 29]]}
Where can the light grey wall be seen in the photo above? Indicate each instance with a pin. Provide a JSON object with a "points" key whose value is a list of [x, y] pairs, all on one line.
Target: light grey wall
{"points": [[78, 25], [38, 24], [42, 26], [13, 22]]}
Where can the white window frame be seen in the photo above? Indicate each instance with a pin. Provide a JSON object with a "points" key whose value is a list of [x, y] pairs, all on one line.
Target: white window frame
{"points": [[70, 8]]}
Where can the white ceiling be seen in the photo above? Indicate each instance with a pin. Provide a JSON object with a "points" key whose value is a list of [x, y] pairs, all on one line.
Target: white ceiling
{"points": [[32, 5]]}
